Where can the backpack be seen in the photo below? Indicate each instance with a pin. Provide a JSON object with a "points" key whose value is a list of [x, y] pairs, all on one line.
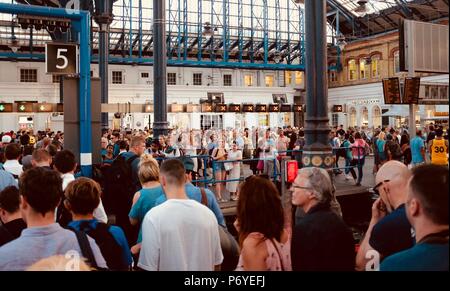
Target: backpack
{"points": [[395, 150], [228, 244], [110, 249], [341, 151], [118, 187]]}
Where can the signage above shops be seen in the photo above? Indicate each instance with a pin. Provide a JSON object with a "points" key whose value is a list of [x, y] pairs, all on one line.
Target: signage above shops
{"points": [[24, 107], [221, 108], [298, 108], [191, 108], [45, 107], [261, 108], [286, 108], [6, 107], [274, 108], [248, 108], [236, 108], [338, 108], [207, 107]]}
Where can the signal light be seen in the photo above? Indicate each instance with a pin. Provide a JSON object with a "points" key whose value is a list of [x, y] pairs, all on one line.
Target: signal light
{"points": [[291, 171]]}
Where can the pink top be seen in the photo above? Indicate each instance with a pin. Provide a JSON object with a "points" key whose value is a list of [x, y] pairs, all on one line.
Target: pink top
{"points": [[275, 258], [358, 145]]}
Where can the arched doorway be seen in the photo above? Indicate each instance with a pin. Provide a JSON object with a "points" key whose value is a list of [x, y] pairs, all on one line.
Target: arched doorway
{"points": [[364, 116], [376, 116], [352, 121]]}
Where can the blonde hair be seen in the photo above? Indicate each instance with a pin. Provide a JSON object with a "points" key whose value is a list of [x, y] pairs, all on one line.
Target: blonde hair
{"points": [[148, 169], [60, 263], [382, 136]]}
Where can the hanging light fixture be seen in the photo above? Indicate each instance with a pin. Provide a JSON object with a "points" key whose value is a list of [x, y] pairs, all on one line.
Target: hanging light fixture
{"points": [[14, 44], [207, 29], [340, 42], [362, 9], [277, 57]]}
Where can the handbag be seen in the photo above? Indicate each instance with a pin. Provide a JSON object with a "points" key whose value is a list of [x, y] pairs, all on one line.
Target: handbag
{"points": [[228, 244], [228, 166], [260, 165]]}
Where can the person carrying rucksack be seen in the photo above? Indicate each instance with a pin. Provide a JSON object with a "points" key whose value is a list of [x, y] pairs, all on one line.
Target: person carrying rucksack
{"points": [[393, 149], [82, 197], [120, 183]]}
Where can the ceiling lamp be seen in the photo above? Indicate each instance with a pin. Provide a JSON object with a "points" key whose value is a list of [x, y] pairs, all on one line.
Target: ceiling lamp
{"points": [[207, 29], [14, 44], [362, 9], [340, 42], [277, 58]]}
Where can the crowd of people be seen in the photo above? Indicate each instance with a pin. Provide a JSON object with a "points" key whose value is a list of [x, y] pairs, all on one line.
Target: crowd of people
{"points": [[144, 211]]}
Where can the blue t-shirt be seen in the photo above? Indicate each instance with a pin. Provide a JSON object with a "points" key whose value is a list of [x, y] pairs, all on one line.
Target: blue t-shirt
{"points": [[422, 257], [6, 179], [146, 201], [195, 193], [115, 231], [417, 144], [392, 234], [380, 149]]}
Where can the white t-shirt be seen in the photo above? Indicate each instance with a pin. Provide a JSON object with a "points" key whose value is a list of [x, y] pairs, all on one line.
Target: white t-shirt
{"points": [[180, 235]]}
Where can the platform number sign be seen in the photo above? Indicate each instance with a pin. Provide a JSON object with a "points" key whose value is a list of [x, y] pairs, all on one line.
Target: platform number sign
{"points": [[61, 58]]}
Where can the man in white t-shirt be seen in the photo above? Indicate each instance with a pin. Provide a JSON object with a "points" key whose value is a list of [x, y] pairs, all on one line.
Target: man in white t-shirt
{"points": [[180, 234]]}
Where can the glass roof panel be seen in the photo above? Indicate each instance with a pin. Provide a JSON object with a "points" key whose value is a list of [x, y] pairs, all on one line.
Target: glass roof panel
{"points": [[372, 6]]}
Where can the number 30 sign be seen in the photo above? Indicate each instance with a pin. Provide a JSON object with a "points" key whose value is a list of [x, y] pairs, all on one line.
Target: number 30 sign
{"points": [[61, 58]]}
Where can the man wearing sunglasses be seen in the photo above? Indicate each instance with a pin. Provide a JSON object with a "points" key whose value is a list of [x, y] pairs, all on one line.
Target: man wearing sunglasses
{"points": [[389, 230]]}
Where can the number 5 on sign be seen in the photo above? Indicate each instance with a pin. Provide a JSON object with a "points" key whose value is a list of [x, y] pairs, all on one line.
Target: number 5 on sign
{"points": [[61, 58]]}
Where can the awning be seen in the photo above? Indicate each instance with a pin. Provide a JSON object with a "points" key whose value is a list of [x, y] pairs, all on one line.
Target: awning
{"points": [[397, 111]]}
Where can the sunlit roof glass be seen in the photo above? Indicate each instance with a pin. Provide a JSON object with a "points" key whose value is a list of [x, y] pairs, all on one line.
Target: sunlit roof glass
{"points": [[373, 6]]}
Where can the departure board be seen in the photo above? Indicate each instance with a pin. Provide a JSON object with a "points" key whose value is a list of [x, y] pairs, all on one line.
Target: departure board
{"points": [[391, 91], [411, 92]]}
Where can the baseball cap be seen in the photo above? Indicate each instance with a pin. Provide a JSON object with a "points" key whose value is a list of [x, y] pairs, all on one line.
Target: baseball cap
{"points": [[6, 139], [188, 163]]}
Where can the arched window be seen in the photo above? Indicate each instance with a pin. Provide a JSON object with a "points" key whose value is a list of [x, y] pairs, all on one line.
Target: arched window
{"points": [[364, 116], [363, 69], [396, 62], [376, 116], [352, 70], [375, 66], [352, 121]]}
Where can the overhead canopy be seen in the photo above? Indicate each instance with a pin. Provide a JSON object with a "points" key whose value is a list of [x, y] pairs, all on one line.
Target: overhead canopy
{"points": [[397, 111]]}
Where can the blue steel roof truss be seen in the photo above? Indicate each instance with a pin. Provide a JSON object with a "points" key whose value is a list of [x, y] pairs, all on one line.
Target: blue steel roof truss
{"points": [[245, 34]]}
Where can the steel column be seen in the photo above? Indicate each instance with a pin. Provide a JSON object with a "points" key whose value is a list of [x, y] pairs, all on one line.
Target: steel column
{"points": [[160, 126], [317, 151]]}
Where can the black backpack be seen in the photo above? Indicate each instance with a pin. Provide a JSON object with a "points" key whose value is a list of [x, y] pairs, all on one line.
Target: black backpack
{"points": [[118, 189], [341, 151], [110, 249], [229, 245]]}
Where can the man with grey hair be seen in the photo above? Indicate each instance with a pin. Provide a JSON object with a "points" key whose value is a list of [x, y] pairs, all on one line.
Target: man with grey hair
{"points": [[311, 249]]}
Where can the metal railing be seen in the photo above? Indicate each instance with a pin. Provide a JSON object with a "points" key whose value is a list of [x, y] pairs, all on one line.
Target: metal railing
{"points": [[208, 162]]}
